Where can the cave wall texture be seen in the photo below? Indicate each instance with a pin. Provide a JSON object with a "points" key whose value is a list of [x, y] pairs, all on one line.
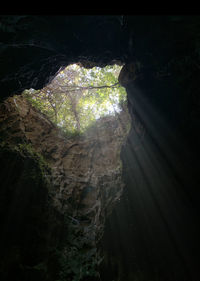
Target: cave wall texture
{"points": [[55, 187], [153, 233]]}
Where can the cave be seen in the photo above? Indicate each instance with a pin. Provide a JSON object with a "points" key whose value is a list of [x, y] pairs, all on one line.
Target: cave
{"points": [[121, 207]]}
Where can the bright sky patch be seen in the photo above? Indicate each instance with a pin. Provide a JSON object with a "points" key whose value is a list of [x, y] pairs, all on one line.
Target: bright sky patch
{"points": [[77, 96]]}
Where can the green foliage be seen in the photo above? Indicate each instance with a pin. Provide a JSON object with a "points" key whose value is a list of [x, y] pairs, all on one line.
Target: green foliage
{"points": [[27, 150], [77, 97]]}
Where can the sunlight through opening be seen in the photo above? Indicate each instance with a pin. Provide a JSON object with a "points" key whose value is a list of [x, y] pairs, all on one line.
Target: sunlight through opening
{"points": [[77, 97]]}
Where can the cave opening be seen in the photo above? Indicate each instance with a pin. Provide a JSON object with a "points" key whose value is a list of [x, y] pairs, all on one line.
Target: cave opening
{"points": [[65, 140], [61, 195], [77, 97], [89, 167]]}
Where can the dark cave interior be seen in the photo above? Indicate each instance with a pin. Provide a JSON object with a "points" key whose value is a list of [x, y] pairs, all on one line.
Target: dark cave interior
{"points": [[153, 231]]}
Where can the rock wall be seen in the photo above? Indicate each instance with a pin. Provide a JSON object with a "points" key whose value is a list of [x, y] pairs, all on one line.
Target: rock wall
{"points": [[84, 173], [166, 48]]}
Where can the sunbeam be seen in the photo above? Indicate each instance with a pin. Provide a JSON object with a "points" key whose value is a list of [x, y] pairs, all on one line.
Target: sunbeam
{"points": [[158, 216]]}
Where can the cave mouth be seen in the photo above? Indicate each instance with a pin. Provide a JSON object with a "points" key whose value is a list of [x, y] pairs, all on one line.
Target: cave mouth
{"points": [[77, 97], [82, 178]]}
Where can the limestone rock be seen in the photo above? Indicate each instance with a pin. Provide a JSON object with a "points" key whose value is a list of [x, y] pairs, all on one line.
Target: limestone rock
{"points": [[85, 172]]}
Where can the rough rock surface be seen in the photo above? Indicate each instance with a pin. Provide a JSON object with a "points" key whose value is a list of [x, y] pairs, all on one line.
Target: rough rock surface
{"points": [[34, 47], [85, 172]]}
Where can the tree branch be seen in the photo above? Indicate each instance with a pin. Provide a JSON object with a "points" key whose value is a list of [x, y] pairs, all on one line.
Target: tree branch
{"points": [[75, 88]]}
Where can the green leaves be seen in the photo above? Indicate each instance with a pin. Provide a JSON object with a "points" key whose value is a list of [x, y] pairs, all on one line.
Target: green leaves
{"points": [[77, 97]]}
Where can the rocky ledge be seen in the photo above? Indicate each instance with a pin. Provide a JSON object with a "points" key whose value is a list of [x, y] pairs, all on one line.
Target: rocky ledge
{"points": [[80, 179]]}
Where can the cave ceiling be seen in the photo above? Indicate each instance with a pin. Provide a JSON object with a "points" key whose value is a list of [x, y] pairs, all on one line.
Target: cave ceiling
{"points": [[33, 48]]}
